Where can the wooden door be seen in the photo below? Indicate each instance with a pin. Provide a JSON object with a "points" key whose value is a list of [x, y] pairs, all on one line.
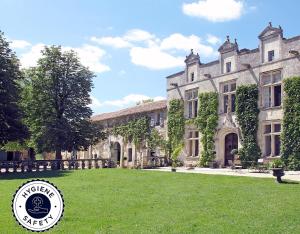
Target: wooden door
{"points": [[231, 142]]}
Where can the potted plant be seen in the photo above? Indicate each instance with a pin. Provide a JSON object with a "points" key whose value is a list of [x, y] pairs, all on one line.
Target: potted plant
{"points": [[236, 156], [277, 168], [175, 155]]}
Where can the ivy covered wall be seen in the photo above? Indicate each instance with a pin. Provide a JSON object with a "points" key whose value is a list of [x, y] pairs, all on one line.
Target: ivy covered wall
{"points": [[290, 137], [207, 122], [247, 116], [176, 124]]}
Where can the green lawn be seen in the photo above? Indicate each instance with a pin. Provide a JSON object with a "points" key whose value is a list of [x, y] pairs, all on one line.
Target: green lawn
{"points": [[136, 201]]}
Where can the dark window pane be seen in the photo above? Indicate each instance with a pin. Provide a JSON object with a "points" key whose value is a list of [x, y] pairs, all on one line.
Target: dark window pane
{"points": [[196, 148], [233, 103], [277, 127], [192, 76], [228, 67], [196, 134], [225, 88], [277, 145], [158, 119], [267, 128], [129, 154], [233, 87], [271, 55], [267, 145], [277, 95], [195, 108]]}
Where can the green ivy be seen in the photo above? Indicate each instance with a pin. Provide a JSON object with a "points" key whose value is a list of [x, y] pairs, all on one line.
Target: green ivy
{"points": [[247, 116], [137, 129], [176, 124], [207, 122], [290, 137]]}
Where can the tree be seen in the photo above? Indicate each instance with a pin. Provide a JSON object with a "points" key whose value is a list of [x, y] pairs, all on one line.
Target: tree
{"points": [[56, 99], [11, 126]]}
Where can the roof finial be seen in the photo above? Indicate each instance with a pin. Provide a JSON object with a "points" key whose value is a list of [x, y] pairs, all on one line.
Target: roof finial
{"points": [[192, 51], [280, 27], [228, 38], [270, 24], [235, 41]]}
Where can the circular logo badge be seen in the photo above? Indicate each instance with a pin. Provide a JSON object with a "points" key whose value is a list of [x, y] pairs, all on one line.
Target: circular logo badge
{"points": [[38, 205]]}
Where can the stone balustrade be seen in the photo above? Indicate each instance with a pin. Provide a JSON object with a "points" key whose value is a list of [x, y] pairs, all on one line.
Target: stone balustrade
{"points": [[48, 165]]}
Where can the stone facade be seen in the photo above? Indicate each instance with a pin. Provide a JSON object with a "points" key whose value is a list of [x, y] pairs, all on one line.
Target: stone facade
{"points": [[126, 154], [275, 59]]}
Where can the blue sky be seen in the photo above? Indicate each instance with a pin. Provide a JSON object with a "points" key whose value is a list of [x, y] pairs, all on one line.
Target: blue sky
{"points": [[133, 45]]}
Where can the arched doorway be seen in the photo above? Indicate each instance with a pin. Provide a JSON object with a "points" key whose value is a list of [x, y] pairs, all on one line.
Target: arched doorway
{"points": [[117, 152], [231, 142]]}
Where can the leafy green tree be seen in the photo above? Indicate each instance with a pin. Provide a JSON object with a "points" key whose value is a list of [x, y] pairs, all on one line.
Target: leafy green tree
{"points": [[11, 126], [56, 99]]}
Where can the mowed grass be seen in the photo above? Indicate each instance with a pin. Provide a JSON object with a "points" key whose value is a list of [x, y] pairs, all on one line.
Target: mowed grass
{"points": [[136, 201]]}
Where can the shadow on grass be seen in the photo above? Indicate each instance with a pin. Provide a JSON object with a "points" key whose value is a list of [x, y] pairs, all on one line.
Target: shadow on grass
{"points": [[32, 175], [289, 182]]}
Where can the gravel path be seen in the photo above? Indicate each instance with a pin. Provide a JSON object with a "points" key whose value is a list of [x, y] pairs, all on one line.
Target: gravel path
{"points": [[289, 175]]}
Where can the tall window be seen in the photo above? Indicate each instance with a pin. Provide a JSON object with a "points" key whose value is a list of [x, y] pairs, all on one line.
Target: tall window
{"points": [[192, 76], [271, 55], [272, 139], [228, 93], [193, 144], [192, 103], [129, 154], [271, 89], [228, 67]]}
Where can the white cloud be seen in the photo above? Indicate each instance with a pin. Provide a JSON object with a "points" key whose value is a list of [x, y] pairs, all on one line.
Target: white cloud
{"points": [[19, 44], [116, 42], [150, 51], [154, 58], [211, 39], [90, 56], [128, 100], [138, 35], [215, 10], [185, 43], [30, 58]]}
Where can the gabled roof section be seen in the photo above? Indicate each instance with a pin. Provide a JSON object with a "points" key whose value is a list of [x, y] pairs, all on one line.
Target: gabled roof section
{"points": [[270, 32], [228, 46], [139, 109], [192, 58]]}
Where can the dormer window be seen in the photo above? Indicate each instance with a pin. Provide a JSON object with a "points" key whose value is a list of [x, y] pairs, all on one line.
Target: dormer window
{"points": [[271, 55], [192, 76], [228, 67]]}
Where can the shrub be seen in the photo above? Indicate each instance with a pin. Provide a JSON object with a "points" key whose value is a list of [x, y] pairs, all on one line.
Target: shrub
{"points": [[294, 162], [277, 163]]}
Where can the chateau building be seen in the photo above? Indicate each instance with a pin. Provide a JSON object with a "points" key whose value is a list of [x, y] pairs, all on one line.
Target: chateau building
{"points": [[124, 152], [275, 59]]}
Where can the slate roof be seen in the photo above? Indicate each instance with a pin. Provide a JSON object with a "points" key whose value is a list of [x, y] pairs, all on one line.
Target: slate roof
{"points": [[139, 109]]}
